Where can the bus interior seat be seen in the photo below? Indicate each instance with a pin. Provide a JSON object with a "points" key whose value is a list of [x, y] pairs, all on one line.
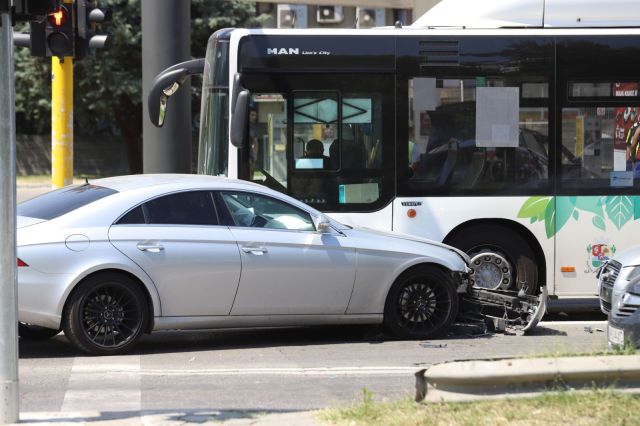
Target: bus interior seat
{"points": [[353, 154]]}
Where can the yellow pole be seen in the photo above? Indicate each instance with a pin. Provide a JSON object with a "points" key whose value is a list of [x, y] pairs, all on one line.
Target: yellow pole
{"points": [[61, 121]]}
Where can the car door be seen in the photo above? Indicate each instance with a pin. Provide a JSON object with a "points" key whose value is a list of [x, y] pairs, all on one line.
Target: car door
{"points": [[177, 240], [287, 267]]}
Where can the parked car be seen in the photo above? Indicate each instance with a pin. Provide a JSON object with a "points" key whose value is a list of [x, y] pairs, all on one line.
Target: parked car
{"points": [[624, 319], [114, 258], [619, 290]]}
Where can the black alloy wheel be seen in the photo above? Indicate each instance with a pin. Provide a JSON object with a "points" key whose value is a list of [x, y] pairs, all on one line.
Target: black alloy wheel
{"points": [[107, 315], [421, 304]]}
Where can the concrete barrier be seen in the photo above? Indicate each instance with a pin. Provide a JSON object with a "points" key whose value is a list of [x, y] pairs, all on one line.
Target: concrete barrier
{"points": [[471, 380]]}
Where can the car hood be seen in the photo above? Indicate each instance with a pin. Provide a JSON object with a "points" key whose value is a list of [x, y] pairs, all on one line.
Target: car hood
{"points": [[629, 257], [414, 241], [23, 221]]}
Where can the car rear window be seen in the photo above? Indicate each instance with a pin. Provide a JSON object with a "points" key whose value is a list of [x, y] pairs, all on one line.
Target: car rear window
{"points": [[61, 201]]}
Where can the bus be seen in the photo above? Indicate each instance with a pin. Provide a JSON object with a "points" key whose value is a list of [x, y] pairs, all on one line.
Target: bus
{"points": [[502, 135]]}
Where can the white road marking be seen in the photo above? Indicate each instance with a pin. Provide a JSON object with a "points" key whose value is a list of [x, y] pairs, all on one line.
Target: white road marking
{"points": [[110, 383], [585, 323], [88, 370]]}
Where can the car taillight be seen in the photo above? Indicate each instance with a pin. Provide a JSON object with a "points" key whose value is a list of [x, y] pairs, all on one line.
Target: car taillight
{"points": [[21, 263]]}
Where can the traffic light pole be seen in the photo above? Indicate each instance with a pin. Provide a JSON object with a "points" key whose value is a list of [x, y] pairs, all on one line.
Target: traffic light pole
{"points": [[9, 394], [62, 119]]}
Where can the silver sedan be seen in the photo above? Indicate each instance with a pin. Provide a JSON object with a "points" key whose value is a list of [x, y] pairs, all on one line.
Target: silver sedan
{"points": [[112, 259]]}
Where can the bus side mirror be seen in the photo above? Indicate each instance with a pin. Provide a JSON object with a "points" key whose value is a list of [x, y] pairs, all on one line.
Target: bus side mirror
{"points": [[166, 84], [238, 131]]}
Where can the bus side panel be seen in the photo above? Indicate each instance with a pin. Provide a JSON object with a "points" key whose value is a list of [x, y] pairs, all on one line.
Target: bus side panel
{"points": [[436, 217]]}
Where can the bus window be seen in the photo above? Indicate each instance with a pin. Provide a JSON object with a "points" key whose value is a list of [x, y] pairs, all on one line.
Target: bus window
{"points": [[479, 136], [595, 153]]}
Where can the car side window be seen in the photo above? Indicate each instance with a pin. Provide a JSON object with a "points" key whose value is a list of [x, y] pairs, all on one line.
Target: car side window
{"points": [[259, 211], [183, 208]]}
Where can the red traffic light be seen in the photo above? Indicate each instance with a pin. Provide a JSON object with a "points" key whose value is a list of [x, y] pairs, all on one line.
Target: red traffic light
{"points": [[58, 18]]}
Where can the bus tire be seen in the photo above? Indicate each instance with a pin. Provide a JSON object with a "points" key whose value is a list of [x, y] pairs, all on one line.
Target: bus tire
{"points": [[421, 304], [501, 258]]}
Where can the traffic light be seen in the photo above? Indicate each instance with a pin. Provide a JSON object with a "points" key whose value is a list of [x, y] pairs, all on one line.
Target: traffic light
{"points": [[54, 35], [88, 17]]}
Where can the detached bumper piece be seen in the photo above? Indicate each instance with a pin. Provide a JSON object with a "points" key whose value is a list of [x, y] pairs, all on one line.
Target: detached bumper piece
{"points": [[503, 311]]}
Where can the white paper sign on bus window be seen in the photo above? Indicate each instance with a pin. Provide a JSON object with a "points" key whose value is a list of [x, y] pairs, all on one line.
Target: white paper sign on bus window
{"points": [[425, 95], [497, 112]]}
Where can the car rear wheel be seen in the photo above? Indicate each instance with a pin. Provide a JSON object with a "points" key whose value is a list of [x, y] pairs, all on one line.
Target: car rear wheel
{"points": [[35, 332], [421, 304], [106, 314]]}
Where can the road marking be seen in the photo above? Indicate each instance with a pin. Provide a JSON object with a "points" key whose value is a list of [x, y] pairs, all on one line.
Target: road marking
{"points": [[106, 369], [585, 323], [91, 387]]}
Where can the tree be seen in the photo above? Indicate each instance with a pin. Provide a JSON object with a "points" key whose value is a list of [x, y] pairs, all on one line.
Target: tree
{"points": [[108, 83]]}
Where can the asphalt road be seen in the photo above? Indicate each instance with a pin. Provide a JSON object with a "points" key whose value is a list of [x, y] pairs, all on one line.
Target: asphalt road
{"points": [[264, 370]]}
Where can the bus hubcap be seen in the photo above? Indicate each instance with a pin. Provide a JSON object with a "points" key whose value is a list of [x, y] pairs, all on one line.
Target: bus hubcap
{"points": [[490, 271]]}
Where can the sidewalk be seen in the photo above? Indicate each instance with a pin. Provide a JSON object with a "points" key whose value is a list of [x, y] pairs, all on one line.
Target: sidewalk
{"points": [[171, 418]]}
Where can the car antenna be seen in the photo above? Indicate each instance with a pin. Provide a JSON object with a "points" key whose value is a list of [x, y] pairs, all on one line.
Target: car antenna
{"points": [[86, 180]]}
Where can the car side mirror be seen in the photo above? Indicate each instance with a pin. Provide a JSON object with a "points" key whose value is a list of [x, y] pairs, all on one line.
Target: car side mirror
{"points": [[323, 225]]}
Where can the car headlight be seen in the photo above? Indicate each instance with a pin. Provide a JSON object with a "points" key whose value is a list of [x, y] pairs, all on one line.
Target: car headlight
{"points": [[635, 273]]}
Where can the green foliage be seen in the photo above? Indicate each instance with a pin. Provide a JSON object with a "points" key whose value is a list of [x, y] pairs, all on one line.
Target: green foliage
{"points": [[108, 82]]}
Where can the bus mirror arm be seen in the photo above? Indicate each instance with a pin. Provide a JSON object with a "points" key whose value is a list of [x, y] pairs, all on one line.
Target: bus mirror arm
{"points": [[166, 84], [238, 131]]}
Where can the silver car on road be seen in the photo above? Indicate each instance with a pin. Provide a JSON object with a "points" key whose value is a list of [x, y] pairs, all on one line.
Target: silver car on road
{"points": [[114, 258]]}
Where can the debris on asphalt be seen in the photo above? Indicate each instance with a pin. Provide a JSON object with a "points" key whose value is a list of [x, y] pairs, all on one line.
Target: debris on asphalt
{"points": [[433, 345]]}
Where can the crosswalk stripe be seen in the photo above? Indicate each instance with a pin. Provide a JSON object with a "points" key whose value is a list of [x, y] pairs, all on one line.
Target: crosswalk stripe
{"points": [[89, 388]]}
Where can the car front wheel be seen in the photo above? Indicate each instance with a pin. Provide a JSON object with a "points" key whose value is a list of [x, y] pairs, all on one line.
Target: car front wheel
{"points": [[106, 314], [421, 304]]}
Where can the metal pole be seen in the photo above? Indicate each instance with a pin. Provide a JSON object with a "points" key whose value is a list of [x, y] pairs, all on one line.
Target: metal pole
{"points": [[9, 394], [62, 119], [166, 34]]}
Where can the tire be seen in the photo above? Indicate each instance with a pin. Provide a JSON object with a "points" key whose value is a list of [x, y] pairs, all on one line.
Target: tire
{"points": [[35, 332], [500, 258], [106, 314], [421, 304]]}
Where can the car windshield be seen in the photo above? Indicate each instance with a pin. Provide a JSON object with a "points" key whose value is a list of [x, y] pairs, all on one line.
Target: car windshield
{"points": [[56, 203]]}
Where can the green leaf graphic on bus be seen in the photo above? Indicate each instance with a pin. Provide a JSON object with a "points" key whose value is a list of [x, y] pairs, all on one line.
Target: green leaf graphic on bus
{"points": [[534, 208], [619, 209], [556, 211]]}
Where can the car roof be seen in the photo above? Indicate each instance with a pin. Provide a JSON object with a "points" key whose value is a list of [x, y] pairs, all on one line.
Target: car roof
{"points": [[133, 182]]}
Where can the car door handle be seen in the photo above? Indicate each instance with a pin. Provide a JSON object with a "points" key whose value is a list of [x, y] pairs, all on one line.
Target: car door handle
{"points": [[258, 251], [151, 248]]}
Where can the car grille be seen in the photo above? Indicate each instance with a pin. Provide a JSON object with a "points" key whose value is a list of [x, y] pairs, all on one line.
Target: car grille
{"points": [[610, 273], [607, 278], [626, 310]]}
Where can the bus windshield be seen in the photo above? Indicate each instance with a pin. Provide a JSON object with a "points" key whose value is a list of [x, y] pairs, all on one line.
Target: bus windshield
{"points": [[214, 116]]}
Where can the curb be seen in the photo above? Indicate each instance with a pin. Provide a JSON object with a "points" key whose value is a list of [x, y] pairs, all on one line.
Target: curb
{"points": [[472, 380]]}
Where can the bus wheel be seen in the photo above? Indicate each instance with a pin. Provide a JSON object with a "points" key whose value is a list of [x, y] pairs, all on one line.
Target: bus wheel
{"points": [[500, 258], [421, 304]]}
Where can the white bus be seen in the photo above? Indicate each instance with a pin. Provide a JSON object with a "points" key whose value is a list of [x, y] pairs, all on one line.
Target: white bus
{"points": [[504, 136]]}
